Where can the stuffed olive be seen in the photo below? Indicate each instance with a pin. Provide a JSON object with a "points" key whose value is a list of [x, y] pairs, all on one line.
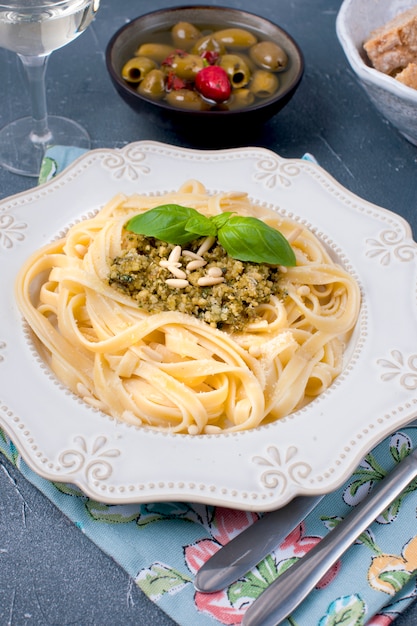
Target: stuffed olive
{"points": [[186, 66]]}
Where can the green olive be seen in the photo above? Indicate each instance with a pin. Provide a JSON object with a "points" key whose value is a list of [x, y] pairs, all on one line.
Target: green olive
{"points": [[235, 37], [269, 56], [187, 66], [135, 70], [187, 99], [208, 43], [153, 85], [156, 51], [237, 70], [184, 35], [264, 84], [241, 98]]}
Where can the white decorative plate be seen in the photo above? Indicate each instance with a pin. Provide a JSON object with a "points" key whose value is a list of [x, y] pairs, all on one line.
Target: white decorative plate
{"points": [[311, 451]]}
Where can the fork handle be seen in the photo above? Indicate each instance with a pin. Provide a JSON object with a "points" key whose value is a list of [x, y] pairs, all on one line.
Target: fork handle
{"points": [[283, 596]]}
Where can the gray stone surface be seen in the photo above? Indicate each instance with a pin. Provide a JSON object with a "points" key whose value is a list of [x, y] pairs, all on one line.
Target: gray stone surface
{"points": [[50, 573]]}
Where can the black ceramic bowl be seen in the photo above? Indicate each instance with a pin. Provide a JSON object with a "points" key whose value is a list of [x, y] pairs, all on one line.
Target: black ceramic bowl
{"points": [[126, 40]]}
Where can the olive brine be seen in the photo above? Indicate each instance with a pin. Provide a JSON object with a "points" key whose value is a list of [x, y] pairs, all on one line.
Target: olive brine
{"points": [[205, 69]]}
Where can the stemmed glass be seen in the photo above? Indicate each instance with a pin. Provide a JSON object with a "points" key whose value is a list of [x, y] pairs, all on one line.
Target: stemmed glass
{"points": [[33, 29]]}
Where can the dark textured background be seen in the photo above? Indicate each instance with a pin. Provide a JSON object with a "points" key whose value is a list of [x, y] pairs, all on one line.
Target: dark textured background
{"points": [[50, 574]]}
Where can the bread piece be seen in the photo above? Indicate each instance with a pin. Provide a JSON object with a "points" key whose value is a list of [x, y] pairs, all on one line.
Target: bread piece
{"points": [[408, 76], [393, 46]]}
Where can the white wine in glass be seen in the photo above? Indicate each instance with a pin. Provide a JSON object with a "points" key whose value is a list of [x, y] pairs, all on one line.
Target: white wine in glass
{"points": [[33, 29]]}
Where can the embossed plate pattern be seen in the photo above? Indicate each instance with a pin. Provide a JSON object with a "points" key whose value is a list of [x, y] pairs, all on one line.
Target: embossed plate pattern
{"points": [[311, 451]]}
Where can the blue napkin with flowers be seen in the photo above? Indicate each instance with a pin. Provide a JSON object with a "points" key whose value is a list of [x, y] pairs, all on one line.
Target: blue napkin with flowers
{"points": [[162, 545]]}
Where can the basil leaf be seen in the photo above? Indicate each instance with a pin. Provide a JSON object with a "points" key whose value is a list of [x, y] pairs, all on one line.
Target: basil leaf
{"points": [[220, 219], [201, 225], [250, 239], [165, 222], [243, 238]]}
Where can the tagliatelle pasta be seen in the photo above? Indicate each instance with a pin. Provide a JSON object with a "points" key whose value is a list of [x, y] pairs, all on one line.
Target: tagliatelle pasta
{"points": [[169, 370]]}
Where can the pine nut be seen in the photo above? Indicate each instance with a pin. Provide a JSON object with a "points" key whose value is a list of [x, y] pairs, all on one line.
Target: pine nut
{"points": [[206, 245], [195, 264], [168, 264], [208, 281], [215, 272], [174, 257], [177, 272], [178, 283], [191, 255]]}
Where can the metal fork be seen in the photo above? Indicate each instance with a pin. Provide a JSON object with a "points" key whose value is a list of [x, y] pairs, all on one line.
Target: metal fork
{"points": [[285, 594]]}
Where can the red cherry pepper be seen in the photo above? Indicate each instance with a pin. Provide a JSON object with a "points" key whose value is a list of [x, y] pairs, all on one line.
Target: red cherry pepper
{"points": [[213, 83], [211, 56], [170, 58], [174, 82]]}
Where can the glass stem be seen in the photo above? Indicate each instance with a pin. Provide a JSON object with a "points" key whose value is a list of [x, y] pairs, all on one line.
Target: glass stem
{"points": [[35, 69]]}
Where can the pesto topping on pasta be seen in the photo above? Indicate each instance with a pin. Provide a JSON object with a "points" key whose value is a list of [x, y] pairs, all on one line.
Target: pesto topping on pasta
{"points": [[201, 280]]}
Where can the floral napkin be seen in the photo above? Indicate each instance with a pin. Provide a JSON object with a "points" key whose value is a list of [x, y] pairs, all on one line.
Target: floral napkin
{"points": [[162, 545]]}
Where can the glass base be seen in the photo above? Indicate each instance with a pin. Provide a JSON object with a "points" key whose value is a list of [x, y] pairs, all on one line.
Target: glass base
{"points": [[21, 155]]}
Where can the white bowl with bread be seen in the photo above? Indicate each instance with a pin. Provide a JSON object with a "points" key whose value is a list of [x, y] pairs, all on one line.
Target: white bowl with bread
{"points": [[379, 39]]}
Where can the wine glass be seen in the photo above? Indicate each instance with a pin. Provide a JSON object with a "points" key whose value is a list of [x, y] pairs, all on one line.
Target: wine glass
{"points": [[33, 29]]}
